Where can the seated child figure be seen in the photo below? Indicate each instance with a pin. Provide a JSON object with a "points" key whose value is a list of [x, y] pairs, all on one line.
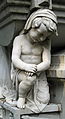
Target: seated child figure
{"points": [[31, 55]]}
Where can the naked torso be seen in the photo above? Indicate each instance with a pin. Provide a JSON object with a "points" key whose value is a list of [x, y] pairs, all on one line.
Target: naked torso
{"points": [[30, 53]]}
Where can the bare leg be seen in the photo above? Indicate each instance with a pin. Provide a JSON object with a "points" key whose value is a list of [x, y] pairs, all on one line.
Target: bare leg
{"points": [[24, 87]]}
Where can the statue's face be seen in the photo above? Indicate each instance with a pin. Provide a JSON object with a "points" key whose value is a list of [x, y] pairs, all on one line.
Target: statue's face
{"points": [[37, 35], [39, 31]]}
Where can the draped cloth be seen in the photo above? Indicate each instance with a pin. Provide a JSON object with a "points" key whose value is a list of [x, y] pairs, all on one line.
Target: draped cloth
{"points": [[46, 13], [39, 96]]}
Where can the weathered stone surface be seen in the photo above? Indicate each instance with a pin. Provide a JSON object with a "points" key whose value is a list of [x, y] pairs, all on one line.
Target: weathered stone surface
{"points": [[14, 110], [12, 12], [59, 2], [16, 113], [34, 58], [57, 69], [17, 10], [40, 3], [13, 7]]}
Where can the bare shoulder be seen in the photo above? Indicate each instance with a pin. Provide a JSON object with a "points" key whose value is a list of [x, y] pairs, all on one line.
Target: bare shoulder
{"points": [[18, 39]]}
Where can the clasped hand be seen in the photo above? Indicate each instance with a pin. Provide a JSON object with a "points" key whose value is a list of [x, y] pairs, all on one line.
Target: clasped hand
{"points": [[31, 68]]}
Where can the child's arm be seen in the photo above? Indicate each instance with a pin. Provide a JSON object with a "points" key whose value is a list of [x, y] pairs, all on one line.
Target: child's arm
{"points": [[46, 57]]}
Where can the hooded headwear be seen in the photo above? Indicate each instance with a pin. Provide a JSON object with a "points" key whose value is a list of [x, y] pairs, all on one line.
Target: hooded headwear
{"points": [[39, 13]]}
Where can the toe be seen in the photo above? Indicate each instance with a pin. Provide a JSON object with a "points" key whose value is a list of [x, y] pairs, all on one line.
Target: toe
{"points": [[23, 106]]}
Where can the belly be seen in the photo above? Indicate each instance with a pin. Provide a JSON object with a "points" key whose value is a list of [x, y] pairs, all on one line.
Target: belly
{"points": [[31, 59]]}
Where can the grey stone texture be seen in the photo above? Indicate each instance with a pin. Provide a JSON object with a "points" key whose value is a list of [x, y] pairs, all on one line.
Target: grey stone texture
{"points": [[12, 20]]}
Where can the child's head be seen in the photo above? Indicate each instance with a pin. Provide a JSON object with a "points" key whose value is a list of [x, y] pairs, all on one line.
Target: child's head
{"points": [[43, 22], [40, 21]]}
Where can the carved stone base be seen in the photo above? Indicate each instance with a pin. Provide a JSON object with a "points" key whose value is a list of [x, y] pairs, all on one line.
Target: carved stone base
{"points": [[18, 113]]}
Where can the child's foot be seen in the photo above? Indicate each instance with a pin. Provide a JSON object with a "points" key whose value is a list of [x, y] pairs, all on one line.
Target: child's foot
{"points": [[21, 103]]}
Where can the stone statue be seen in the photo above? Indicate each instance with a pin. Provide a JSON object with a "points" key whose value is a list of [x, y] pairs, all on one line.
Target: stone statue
{"points": [[31, 57]]}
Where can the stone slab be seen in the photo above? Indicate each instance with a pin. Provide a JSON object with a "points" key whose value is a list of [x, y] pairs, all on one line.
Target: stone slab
{"points": [[29, 117], [15, 110], [20, 2], [4, 3], [13, 10]]}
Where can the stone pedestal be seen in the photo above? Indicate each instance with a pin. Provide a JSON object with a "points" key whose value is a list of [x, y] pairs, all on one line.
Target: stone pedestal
{"points": [[16, 113]]}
